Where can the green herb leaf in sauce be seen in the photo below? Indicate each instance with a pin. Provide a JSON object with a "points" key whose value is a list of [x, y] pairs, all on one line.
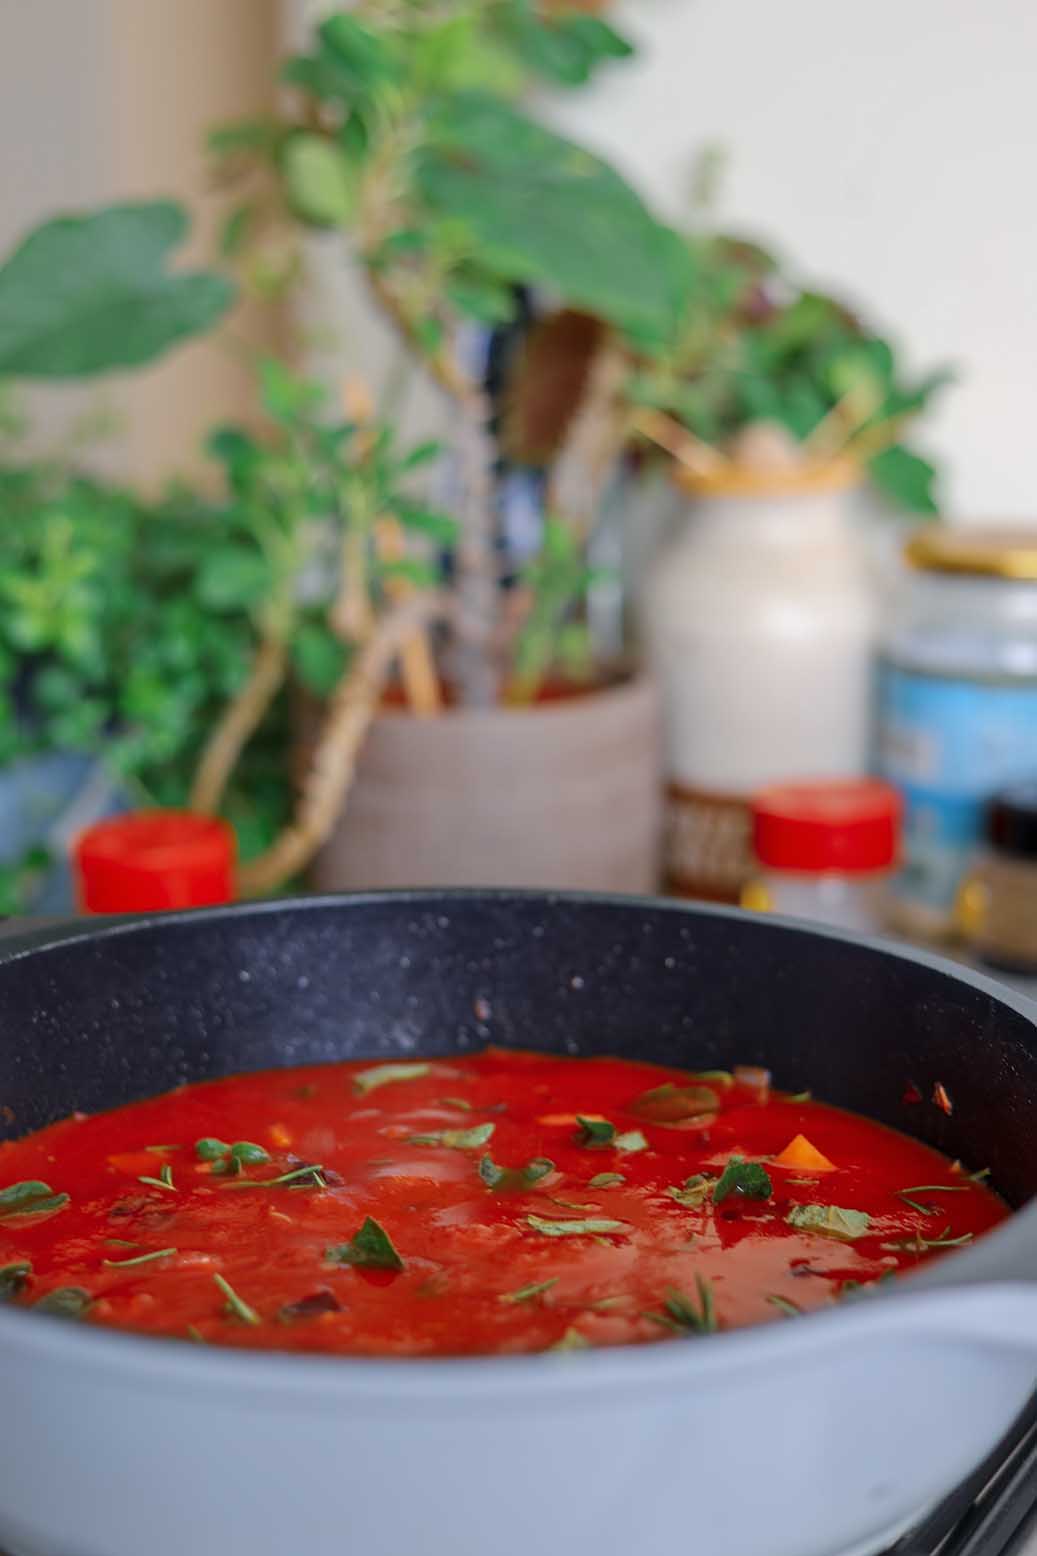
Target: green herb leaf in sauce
{"points": [[504, 1178], [142, 1258], [529, 1293], [235, 1306], [671, 1104], [211, 1150], [920, 1244], [695, 1191], [606, 1180], [309, 1176], [367, 1081], [572, 1340], [830, 1221], [680, 1312], [595, 1131], [30, 1198], [65, 1302], [595, 1226], [13, 1279], [194, 1333], [749, 1179], [457, 1139], [163, 1181], [371, 1248], [632, 1141], [790, 1309]]}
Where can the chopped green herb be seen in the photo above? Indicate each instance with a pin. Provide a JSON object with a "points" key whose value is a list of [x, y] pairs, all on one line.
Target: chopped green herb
{"points": [[195, 1334], [695, 1190], [605, 1304], [595, 1131], [248, 1152], [571, 1204], [790, 1309], [120, 1242], [457, 1139], [934, 1188], [13, 1279], [162, 1149], [386, 1075], [749, 1179], [670, 1104], [235, 1306], [798, 1096], [371, 1248], [529, 1293], [606, 1180], [924, 1210], [142, 1258], [306, 1177], [919, 1244], [501, 1178], [849, 1289], [589, 1228], [680, 1312], [30, 1198], [720, 1077], [830, 1221], [632, 1141], [163, 1181], [460, 1103], [65, 1302], [210, 1150], [572, 1340], [977, 1177]]}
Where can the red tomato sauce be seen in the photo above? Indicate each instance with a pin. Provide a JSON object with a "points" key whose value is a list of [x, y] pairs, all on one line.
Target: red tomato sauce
{"points": [[459, 1207]]}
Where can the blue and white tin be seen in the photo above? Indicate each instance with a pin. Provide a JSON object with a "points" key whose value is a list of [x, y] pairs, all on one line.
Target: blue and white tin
{"points": [[957, 704]]}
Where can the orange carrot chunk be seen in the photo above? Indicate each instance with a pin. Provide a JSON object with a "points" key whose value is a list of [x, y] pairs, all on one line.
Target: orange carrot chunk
{"points": [[800, 1155]]}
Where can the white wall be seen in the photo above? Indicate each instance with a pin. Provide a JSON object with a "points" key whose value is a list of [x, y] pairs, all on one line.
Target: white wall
{"points": [[889, 149]]}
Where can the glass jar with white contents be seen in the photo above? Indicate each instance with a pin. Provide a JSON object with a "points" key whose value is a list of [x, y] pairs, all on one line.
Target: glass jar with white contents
{"points": [[957, 705]]}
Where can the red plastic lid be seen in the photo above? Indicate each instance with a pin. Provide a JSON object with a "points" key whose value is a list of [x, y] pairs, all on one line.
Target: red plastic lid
{"points": [[155, 859], [849, 827]]}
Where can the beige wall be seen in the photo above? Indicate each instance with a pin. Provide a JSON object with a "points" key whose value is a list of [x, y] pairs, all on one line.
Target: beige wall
{"points": [[110, 99]]}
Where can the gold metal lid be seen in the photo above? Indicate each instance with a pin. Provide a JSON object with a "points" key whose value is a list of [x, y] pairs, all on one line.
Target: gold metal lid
{"points": [[988, 553]]}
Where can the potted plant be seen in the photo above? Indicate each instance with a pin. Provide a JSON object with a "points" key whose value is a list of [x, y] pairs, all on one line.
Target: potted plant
{"points": [[507, 753], [81, 724]]}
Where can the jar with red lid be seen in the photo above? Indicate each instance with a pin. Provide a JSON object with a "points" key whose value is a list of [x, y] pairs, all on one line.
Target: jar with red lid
{"points": [[154, 860], [825, 851]]}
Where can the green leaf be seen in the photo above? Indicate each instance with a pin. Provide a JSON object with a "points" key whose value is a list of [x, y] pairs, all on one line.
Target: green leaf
{"points": [[366, 1081], [603, 41], [287, 397], [695, 1191], [529, 1293], [210, 1150], [481, 298], [422, 575], [606, 1180], [232, 578], [235, 1306], [783, 1305], [670, 1104], [245, 135], [830, 1221], [86, 294], [499, 1178], [905, 477], [319, 657], [371, 1248], [440, 527], [13, 1279], [631, 1142], [141, 1258], [65, 1302], [595, 1131], [237, 228], [572, 1340], [249, 1154], [30, 1198], [420, 454], [681, 1313], [515, 187], [320, 180], [749, 1179], [457, 1139], [593, 1227], [362, 51]]}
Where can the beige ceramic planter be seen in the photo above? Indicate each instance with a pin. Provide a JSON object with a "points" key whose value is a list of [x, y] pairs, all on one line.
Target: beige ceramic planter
{"points": [[561, 795]]}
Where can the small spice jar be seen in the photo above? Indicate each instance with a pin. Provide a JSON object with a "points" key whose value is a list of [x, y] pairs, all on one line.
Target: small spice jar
{"points": [[997, 906], [154, 860], [825, 851]]}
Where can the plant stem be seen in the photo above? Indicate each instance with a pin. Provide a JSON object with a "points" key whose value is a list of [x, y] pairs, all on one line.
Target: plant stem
{"points": [[350, 712], [239, 722]]}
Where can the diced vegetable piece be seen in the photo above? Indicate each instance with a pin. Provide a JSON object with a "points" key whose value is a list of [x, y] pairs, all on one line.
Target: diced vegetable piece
{"points": [[800, 1156]]}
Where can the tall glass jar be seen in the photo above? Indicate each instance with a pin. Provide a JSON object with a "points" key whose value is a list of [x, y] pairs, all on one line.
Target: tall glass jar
{"points": [[760, 622], [957, 705]]}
